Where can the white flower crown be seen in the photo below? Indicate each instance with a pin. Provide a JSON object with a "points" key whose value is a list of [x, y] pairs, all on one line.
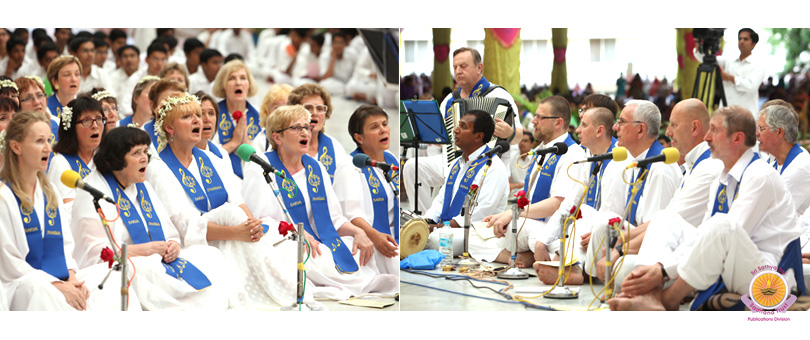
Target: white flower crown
{"points": [[148, 78], [167, 105], [2, 140], [37, 79], [103, 94], [9, 83], [66, 117]]}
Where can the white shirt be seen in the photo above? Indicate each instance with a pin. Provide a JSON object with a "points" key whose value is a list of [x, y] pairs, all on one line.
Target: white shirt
{"points": [[97, 78], [198, 82], [343, 67], [121, 82], [242, 44], [13, 241], [32, 69], [797, 180], [518, 169], [59, 164], [27, 64], [763, 207], [356, 204], [89, 233], [491, 193], [561, 184], [690, 199], [748, 75]]}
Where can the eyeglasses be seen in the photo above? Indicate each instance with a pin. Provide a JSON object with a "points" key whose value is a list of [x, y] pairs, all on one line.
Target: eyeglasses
{"points": [[621, 122], [87, 122], [763, 128], [316, 108], [39, 96], [549, 117], [297, 128], [110, 109]]}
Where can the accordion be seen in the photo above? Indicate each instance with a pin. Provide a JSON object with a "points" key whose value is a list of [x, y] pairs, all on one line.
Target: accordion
{"points": [[499, 108]]}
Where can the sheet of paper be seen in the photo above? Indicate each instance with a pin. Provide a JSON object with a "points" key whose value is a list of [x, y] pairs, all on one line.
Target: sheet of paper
{"points": [[482, 230], [367, 303]]}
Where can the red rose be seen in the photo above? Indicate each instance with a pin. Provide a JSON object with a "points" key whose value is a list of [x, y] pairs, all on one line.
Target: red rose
{"points": [[614, 220], [522, 202], [108, 256], [237, 115], [520, 194], [579, 213], [474, 187], [284, 227]]}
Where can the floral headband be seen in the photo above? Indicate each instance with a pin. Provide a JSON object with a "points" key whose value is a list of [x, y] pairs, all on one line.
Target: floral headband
{"points": [[103, 94], [37, 79], [9, 83], [148, 78], [167, 105]]}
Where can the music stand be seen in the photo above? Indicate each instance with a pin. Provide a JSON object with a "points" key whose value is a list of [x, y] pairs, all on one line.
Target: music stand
{"points": [[427, 124]]}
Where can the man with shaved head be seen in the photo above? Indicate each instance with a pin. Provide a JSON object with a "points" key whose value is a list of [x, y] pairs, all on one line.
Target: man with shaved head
{"points": [[748, 224]]}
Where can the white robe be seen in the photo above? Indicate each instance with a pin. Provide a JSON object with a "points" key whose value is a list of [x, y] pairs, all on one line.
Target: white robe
{"points": [[155, 288], [265, 275], [27, 288], [321, 269]]}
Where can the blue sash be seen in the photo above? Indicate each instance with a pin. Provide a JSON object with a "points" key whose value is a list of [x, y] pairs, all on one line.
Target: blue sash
{"points": [[705, 155], [479, 87], [546, 176], [324, 230], [794, 151], [226, 127], [45, 253], [721, 204], [594, 193], [214, 150], [655, 149], [214, 194], [378, 197], [126, 121], [153, 231], [77, 164], [450, 210], [150, 129], [55, 106], [326, 154]]}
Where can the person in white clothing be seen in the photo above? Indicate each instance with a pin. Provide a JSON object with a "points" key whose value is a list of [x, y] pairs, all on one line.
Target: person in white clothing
{"points": [[203, 79], [276, 97], [750, 221], [336, 65], [122, 77], [37, 269], [518, 168], [16, 61], [286, 56], [341, 261], [238, 41], [778, 135], [671, 228], [474, 129], [743, 75], [92, 76]]}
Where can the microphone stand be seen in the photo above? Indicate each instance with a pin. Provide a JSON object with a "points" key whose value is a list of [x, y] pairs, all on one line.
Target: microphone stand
{"points": [[469, 203], [561, 291], [299, 296], [512, 272], [122, 260]]}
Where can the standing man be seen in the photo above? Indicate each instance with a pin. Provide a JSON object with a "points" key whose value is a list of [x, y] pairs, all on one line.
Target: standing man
{"points": [[92, 76], [742, 76], [468, 69]]}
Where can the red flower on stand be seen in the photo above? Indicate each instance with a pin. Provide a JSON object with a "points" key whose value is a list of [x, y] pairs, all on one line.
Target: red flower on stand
{"points": [[579, 213], [614, 221], [284, 228], [522, 200], [107, 255]]}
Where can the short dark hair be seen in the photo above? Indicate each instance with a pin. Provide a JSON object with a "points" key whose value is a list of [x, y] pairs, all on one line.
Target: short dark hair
{"points": [[99, 35], [559, 108], [233, 56], [162, 31], [168, 40], [754, 35], [339, 34], [190, 44], [601, 100], [100, 43], [68, 143], [125, 47], [8, 105], [20, 31], [208, 53], [527, 133], [78, 41], [38, 32], [318, 39], [14, 41], [483, 123], [114, 147], [156, 46], [302, 32], [116, 34], [476, 56], [41, 39], [45, 48], [358, 119]]}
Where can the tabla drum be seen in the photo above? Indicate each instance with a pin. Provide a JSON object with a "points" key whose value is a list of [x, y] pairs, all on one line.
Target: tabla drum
{"points": [[413, 235]]}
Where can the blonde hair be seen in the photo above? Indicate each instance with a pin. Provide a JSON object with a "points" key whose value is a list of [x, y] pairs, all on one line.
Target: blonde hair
{"points": [[57, 64], [174, 66], [225, 72], [282, 117], [179, 110], [298, 94], [17, 130], [275, 93]]}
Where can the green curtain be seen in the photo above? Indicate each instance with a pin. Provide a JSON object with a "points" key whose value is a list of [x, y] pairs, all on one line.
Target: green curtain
{"points": [[502, 58], [559, 73], [442, 62]]}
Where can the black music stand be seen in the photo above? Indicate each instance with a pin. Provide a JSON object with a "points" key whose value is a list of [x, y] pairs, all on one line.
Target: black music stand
{"points": [[427, 123]]}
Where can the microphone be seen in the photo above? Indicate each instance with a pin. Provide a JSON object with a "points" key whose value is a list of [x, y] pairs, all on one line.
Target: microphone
{"points": [[72, 180], [668, 156], [248, 154], [501, 146], [362, 160], [558, 149], [237, 115], [618, 154]]}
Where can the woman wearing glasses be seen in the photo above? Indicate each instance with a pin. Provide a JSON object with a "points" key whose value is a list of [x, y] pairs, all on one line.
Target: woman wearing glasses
{"points": [[32, 98], [80, 133], [341, 263], [212, 211], [235, 83], [109, 107], [326, 150]]}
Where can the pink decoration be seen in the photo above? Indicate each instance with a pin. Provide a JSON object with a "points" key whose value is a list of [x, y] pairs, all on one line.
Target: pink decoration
{"points": [[690, 45], [559, 55], [441, 52], [505, 36]]}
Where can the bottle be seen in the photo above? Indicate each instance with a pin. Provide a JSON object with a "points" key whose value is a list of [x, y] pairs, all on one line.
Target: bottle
{"points": [[446, 244]]}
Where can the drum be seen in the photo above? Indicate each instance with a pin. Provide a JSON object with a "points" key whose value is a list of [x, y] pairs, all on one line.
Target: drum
{"points": [[413, 235]]}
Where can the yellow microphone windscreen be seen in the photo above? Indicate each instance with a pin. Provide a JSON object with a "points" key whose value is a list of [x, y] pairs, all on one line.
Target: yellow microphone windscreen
{"points": [[619, 153], [69, 178], [672, 155]]}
